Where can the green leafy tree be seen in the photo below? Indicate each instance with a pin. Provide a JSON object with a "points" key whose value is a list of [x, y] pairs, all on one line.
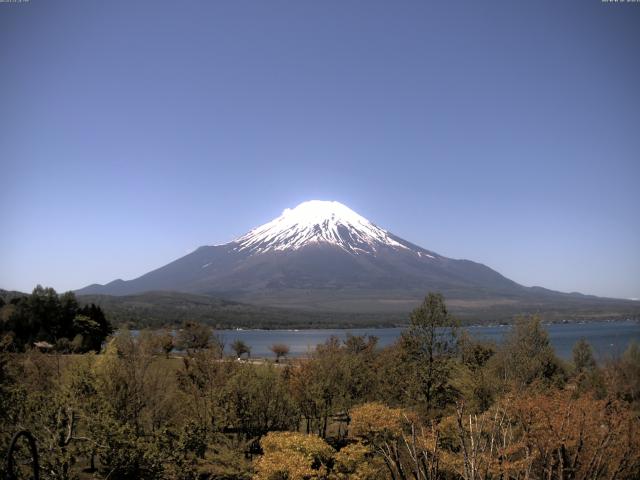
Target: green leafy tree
{"points": [[527, 357], [133, 423], [471, 378], [430, 344], [319, 385], [257, 400], [201, 380]]}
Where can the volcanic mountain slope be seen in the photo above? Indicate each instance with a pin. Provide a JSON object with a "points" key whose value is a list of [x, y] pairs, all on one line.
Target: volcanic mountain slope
{"points": [[322, 255]]}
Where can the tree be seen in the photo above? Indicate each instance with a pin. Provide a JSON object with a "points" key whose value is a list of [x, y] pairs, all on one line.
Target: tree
{"points": [[257, 401], [359, 343], [319, 385], [88, 335], [240, 348], [202, 380], [69, 308], [193, 336], [575, 438], [583, 356], [47, 316], [279, 350], [631, 368], [429, 345], [527, 357], [408, 449], [136, 408], [357, 461], [623, 375], [166, 342], [293, 456], [487, 445], [48, 412], [104, 329], [296, 456], [472, 379]]}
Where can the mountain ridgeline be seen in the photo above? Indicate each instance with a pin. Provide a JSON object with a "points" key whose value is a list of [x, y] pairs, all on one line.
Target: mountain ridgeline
{"points": [[324, 257]]}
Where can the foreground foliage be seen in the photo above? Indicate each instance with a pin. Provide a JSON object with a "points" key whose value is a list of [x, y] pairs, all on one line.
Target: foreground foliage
{"points": [[432, 406]]}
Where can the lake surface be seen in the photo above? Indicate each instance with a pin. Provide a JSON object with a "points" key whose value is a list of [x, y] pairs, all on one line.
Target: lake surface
{"points": [[607, 339]]}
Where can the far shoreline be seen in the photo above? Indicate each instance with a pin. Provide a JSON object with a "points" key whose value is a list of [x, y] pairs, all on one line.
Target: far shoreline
{"points": [[386, 327]]}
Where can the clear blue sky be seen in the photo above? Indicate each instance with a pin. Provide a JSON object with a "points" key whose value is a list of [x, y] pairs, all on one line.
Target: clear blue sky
{"points": [[505, 132]]}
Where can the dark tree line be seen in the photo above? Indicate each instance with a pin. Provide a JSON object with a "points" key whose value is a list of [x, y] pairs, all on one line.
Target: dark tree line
{"points": [[52, 321]]}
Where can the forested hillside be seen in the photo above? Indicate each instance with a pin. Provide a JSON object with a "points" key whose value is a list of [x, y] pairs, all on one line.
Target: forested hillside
{"points": [[157, 309], [171, 309]]}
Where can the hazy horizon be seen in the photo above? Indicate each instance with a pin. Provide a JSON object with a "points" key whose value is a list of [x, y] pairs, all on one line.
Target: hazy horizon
{"points": [[133, 132]]}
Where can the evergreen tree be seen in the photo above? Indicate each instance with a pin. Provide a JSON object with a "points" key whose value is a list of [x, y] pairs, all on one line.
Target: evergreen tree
{"points": [[101, 330], [59, 320], [68, 311], [45, 314]]}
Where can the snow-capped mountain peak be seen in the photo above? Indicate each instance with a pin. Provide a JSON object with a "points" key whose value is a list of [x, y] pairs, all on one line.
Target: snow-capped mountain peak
{"points": [[314, 222], [323, 257]]}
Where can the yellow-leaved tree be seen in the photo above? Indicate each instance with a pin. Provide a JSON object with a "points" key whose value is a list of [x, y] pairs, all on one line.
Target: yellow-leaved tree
{"points": [[293, 456]]}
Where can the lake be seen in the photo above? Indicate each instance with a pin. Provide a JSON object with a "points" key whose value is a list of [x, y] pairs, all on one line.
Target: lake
{"points": [[606, 338]]}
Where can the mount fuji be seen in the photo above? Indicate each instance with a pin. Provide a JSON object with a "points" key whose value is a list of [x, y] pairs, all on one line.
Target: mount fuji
{"points": [[322, 255]]}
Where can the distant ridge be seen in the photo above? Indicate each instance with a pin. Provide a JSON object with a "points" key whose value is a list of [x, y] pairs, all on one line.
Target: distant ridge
{"points": [[157, 309]]}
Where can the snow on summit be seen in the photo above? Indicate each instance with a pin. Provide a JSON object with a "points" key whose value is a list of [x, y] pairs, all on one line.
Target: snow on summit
{"points": [[315, 222]]}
